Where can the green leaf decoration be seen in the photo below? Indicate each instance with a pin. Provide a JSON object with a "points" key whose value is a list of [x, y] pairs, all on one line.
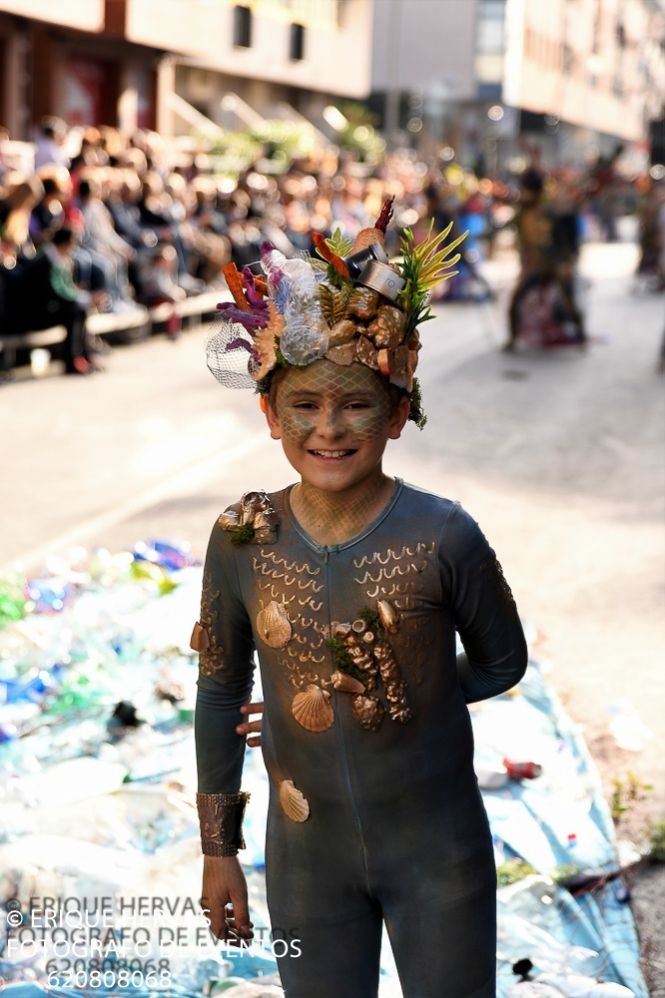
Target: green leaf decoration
{"points": [[423, 266], [340, 244]]}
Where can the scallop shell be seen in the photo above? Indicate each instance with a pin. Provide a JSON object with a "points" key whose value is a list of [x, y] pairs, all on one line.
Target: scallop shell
{"points": [[200, 640], [294, 803], [312, 709], [230, 518], [346, 684], [388, 615], [273, 625]]}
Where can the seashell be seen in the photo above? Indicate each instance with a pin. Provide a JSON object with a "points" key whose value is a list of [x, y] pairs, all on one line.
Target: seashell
{"points": [[342, 332], [230, 518], [359, 626], [388, 615], [388, 328], [344, 354], [345, 683], [366, 352], [293, 801], [363, 303], [199, 640], [369, 711], [368, 637], [340, 630], [312, 709], [273, 625]]}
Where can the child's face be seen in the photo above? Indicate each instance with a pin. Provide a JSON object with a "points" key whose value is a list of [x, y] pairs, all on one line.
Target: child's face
{"points": [[334, 423]]}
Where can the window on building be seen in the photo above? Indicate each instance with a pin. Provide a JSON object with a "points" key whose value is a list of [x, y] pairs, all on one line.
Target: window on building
{"points": [[490, 26], [297, 43], [242, 27]]}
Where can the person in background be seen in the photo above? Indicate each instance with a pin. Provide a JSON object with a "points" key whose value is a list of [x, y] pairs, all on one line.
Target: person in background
{"points": [[42, 293], [49, 149]]}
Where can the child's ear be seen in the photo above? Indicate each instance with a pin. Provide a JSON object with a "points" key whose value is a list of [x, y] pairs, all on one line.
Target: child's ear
{"points": [[399, 418], [271, 418]]}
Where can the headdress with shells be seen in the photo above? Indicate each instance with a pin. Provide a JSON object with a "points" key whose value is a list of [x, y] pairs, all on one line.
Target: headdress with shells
{"points": [[347, 304]]}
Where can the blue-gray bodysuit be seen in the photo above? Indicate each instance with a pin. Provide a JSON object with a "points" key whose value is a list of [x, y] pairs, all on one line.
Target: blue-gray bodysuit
{"points": [[375, 814]]}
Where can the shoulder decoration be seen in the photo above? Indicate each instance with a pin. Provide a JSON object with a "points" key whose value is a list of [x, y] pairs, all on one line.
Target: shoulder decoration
{"points": [[347, 304], [253, 520]]}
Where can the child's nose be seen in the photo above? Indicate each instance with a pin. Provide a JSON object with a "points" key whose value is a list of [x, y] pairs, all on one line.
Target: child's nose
{"points": [[332, 421]]}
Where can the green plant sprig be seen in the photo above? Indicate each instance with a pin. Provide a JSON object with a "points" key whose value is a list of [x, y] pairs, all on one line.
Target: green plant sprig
{"points": [[424, 265]]}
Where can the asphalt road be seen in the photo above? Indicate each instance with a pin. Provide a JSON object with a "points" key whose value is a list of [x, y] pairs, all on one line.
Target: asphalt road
{"points": [[560, 456]]}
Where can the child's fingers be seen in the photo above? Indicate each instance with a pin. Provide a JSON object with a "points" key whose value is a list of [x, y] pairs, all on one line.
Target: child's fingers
{"points": [[253, 742], [247, 726], [252, 708]]}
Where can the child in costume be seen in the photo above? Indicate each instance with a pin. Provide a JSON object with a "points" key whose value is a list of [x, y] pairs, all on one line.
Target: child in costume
{"points": [[350, 585]]}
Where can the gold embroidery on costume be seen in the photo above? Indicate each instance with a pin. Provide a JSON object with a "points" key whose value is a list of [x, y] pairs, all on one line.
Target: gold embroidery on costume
{"points": [[396, 574], [211, 658]]}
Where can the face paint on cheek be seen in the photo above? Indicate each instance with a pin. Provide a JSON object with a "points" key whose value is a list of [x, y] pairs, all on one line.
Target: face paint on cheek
{"points": [[365, 424], [296, 425]]}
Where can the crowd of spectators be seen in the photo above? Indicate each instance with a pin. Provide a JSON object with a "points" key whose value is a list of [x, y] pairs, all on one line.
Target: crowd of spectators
{"points": [[103, 222]]}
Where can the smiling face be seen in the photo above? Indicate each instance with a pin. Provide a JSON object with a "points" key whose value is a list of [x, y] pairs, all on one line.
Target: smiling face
{"points": [[334, 422]]}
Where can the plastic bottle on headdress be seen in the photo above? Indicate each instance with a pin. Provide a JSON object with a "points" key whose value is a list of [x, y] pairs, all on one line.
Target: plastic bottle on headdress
{"points": [[306, 334]]}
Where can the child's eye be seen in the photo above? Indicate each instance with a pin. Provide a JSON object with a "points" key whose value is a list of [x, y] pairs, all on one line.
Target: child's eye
{"points": [[358, 405], [304, 405]]}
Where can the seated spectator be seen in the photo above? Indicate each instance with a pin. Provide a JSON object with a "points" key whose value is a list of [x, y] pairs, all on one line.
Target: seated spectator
{"points": [[106, 248], [41, 293], [161, 287], [50, 141], [16, 245]]}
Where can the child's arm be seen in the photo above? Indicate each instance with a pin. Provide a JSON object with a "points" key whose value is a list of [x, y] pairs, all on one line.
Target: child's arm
{"points": [[223, 638], [486, 617]]}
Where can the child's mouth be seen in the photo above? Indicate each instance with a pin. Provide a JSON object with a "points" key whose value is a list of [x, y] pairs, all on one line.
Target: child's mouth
{"points": [[331, 455]]}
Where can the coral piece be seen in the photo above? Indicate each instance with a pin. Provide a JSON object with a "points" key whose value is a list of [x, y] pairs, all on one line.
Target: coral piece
{"points": [[369, 711], [312, 709], [273, 625], [293, 801]]}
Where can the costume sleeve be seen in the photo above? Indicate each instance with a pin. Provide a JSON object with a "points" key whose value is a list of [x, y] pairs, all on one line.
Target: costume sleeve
{"points": [[485, 614], [226, 666]]}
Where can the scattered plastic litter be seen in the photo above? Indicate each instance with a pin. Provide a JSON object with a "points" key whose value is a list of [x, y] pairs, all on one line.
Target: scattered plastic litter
{"points": [[97, 685]]}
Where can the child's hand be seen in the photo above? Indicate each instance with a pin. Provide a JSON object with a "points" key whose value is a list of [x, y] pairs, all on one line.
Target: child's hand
{"points": [[224, 899], [247, 726]]}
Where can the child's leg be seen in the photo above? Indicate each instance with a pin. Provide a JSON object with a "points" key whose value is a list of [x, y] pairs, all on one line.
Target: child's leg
{"points": [[445, 949], [338, 957]]}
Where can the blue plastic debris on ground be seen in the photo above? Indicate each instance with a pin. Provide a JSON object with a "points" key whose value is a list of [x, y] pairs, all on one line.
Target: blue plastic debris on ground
{"points": [[97, 687]]}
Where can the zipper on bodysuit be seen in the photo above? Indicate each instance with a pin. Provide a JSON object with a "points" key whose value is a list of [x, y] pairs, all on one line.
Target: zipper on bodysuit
{"points": [[347, 773]]}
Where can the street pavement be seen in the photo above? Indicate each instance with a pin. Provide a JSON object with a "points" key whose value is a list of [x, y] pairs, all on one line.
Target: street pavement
{"points": [[560, 456]]}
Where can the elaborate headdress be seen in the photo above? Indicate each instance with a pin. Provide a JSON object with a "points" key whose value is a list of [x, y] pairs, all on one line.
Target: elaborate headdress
{"points": [[350, 305]]}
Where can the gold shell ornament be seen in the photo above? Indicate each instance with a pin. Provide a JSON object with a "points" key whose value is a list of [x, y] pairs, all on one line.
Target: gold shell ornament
{"points": [[342, 332], [343, 354], [251, 521], [312, 709], [294, 803], [273, 625], [363, 303], [369, 711], [199, 641], [346, 684], [388, 329], [387, 615]]}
